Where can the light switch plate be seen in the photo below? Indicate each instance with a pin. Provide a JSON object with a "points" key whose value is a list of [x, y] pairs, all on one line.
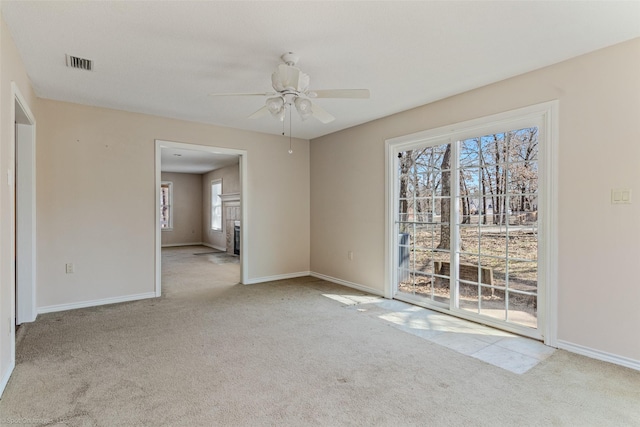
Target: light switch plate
{"points": [[621, 196]]}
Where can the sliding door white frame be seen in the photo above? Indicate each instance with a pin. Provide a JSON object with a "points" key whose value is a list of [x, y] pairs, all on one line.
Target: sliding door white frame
{"points": [[545, 117]]}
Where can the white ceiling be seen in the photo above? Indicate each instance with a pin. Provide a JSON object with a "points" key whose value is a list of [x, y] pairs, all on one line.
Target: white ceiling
{"points": [[194, 161], [164, 58]]}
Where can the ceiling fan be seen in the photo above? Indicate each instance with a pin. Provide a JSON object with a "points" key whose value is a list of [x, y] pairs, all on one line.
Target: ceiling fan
{"points": [[291, 88]]}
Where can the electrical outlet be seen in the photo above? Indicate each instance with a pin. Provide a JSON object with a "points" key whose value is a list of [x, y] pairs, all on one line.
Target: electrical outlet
{"points": [[69, 268]]}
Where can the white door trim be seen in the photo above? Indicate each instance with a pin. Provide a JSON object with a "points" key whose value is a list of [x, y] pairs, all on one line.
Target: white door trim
{"points": [[23, 139], [25, 202], [244, 197]]}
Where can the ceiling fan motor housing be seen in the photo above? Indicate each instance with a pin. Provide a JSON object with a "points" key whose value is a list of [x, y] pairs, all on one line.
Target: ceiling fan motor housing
{"points": [[289, 78], [290, 58]]}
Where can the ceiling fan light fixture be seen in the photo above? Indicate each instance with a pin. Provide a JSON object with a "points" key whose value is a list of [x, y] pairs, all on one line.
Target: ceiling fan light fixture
{"points": [[275, 105], [303, 106]]}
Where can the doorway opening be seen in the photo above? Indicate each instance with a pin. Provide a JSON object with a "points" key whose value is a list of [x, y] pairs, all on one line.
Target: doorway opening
{"points": [[216, 178]]}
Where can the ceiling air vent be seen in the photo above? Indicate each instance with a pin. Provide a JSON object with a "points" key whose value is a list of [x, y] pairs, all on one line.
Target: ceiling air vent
{"points": [[79, 63]]}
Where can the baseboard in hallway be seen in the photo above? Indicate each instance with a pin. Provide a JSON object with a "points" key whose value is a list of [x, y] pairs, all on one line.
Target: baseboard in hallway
{"points": [[175, 245]]}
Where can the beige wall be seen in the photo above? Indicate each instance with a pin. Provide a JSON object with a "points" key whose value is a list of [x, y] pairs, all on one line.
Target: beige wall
{"points": [[11, 70], [187, 209], [599, 149], [230, 176], [96, 198]]}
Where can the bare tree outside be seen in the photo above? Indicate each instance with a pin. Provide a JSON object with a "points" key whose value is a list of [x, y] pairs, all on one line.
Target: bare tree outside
{"points": [[445, 202], [497, 201]]}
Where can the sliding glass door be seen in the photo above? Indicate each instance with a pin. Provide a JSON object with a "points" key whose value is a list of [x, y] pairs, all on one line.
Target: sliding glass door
{"points": [[466, 225]]}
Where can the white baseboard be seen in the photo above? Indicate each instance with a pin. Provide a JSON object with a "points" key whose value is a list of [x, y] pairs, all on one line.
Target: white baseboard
{"points": [[94, 303], [171, 245], [348, 284], [6, 376], [209, 245], [276, 277], [599, 355], [218, 248]]}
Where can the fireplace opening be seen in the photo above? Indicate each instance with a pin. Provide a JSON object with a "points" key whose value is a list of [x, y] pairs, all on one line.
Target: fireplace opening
{"points": [[236, 237]]}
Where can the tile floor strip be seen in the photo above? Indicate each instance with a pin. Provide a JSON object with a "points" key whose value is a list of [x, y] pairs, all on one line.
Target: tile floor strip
{"points": [[499, 348]]}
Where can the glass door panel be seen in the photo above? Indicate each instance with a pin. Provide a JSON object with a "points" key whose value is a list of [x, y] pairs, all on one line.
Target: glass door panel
{"points": [[497, 220], [423, 223]]}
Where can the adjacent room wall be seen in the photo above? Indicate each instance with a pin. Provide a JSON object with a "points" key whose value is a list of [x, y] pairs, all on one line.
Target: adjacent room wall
{"points": [[599, 149], [96, 201], [187, 209], [230, 176], [11, 70]]}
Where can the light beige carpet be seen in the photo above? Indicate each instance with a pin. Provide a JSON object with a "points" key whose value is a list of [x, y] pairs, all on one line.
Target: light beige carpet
{"points": [[210, 353]]}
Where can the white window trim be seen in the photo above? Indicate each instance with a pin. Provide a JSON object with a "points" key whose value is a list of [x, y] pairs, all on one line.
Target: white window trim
{"points": [[221, 229], [545, 116], [170, 185]]}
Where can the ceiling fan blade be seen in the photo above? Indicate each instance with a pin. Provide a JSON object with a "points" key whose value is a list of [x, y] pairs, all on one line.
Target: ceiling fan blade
{"points": [[339, 93], [321, 114], [243, 94], [260, 113]]}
